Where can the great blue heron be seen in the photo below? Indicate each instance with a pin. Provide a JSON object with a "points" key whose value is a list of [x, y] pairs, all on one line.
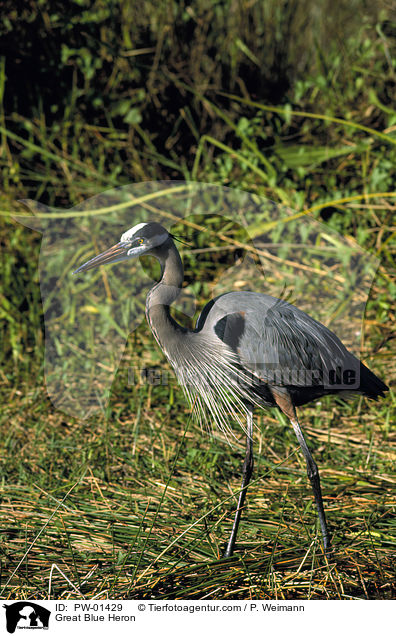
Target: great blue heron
{"points": [[247, 349]]}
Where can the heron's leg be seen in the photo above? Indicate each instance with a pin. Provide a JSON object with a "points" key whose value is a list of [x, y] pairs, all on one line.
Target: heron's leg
{"points": [[313, 474], [246, 475], [284, 402]]}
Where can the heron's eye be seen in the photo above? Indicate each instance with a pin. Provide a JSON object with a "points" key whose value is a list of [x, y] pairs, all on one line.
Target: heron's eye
{"points": [[141, 241]]}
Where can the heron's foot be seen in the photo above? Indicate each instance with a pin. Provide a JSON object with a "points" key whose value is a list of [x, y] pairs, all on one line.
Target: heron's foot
{"points": [[229, 551], [327, 547]]}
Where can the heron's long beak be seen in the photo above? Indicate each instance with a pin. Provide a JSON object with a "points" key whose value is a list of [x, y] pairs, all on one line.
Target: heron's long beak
{"points": [[118, 252]]}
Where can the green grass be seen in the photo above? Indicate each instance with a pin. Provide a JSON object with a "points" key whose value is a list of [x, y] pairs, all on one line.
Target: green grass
{"points": [[150, 504], [136, 501]]}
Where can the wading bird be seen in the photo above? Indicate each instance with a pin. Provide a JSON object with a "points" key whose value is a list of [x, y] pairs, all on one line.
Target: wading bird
{"points": [[247, 350]]}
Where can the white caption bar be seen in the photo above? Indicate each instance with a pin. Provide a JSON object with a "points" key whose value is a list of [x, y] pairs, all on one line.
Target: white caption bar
{"points": [[177, 617]]}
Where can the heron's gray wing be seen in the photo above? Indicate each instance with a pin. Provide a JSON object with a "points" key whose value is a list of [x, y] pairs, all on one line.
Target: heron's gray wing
{"points": [[287, 347], [280, 344]]}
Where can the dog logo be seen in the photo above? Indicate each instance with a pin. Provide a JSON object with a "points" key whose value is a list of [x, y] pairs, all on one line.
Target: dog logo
{"points": [[26, 615]]}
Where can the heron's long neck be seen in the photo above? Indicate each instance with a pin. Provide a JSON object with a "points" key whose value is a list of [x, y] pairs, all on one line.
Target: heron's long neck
{"points": [[164, 293]]}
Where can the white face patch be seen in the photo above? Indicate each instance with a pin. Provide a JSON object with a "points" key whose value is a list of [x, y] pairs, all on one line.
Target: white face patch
{"points": [[129, 234]]}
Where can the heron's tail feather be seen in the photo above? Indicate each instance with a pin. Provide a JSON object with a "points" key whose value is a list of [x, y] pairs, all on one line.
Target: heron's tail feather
{"points": [[371, 386]]}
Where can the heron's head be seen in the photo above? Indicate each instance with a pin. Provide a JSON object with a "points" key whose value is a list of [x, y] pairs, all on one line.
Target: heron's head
{"points": [[139, 240]]}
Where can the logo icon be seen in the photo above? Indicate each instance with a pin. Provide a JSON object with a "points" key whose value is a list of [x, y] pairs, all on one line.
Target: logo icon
{"points": [[26, 615]]}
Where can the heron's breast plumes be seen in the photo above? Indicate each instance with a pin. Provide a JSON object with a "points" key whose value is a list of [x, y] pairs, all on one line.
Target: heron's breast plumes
{"points": [[217, 388]]}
